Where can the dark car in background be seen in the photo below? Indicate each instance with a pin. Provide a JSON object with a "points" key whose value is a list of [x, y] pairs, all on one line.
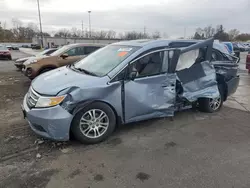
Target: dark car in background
{"points": [[5, 53], [239, 47], [36, 46], [19, 63]]}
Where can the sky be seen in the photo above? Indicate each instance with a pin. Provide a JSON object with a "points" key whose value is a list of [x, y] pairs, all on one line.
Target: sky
{"points": [[173, 18]]}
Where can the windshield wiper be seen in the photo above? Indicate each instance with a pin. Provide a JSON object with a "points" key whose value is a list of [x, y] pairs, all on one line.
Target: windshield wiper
{"points": [[85, 71]]}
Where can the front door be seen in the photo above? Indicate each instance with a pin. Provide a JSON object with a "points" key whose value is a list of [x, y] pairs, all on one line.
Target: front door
{"points": [[74, 54], [151, 92]]}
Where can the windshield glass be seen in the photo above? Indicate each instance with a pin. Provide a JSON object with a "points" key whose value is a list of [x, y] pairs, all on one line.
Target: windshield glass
{"points": [[60, 51], [41, 53], [3, 48], [105, 59]]}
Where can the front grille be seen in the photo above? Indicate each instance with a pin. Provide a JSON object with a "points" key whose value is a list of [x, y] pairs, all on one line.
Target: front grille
{"points": [[32, 98]]}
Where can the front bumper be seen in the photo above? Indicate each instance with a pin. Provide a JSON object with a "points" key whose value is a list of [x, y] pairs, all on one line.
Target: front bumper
{"points": [[52, 123], [3, 56], [19, 65]]}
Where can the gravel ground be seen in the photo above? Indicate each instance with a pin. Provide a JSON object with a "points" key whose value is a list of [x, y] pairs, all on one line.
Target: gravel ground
{"points": [[192, 150]]}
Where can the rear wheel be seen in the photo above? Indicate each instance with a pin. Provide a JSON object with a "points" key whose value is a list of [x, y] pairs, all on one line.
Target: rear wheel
{"points": [[94, 123], [212, 105]]}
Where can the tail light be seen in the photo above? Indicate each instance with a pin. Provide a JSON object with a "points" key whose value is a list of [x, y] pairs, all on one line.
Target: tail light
{"points": [[248, 62]]}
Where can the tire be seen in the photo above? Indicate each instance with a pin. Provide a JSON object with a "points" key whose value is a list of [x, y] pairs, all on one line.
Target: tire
{"points": [[45, 70], [78, 130], [205, 103], [9, 58]]}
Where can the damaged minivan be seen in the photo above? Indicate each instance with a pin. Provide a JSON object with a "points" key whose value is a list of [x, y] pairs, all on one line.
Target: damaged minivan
{"points": [[127, 82]]}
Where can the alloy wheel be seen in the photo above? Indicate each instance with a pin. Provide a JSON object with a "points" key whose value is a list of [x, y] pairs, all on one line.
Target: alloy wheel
{"points": [[94, 123]]}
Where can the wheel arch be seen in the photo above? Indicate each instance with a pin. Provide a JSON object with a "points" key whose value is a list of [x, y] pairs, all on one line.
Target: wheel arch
{"points": [[84, 104], [46, 67]]}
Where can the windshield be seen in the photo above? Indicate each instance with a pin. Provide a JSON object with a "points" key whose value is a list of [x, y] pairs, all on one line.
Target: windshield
{"points": [[60, 51], [105, 59], [3, 48], [41, 53]]}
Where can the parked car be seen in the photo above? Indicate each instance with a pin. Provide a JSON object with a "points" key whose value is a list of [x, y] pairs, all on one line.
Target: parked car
{"points": [[248, 62], [36, 46], [127, 82], [19, 63], [9, 47], [247, 46], [229, 47], [5, 53], [239, 47], [25, 46], [15, 47], [65, 55]]}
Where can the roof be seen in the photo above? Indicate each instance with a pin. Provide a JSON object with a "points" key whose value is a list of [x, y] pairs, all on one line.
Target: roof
{"points": [[146, 42], [85, 44]]}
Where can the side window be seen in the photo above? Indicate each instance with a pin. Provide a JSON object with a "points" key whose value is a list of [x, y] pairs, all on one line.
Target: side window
{"points": [[148, 65], [80, 50], [120, 76], [50, 52], [71, 52], [90, 49]]}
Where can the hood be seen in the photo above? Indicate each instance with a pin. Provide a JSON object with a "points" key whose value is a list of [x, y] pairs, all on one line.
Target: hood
{"points": [[52, 82], [31, 59], [23, 59], [4, 51]]}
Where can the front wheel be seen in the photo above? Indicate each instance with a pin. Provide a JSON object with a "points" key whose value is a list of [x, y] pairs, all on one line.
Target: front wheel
{"points": [[212, 105], [94, 123]]}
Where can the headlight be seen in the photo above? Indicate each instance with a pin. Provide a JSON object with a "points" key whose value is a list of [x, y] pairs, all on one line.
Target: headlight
{"points": [[49, 101], [30, 62], [33, 61]]}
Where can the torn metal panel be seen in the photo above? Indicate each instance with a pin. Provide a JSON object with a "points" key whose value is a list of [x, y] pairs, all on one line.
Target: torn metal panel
{"points": [[150, 97], [111, 94], [199, 81], [226, 69]]}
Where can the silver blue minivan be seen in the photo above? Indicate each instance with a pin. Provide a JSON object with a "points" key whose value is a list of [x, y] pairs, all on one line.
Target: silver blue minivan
{"points": [[128, 82]]}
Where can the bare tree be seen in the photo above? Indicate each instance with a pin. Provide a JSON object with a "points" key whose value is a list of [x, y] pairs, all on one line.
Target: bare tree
{"points": [[76, 32], [111, 34], [64, 33], [209, 31], [156, 35], [16, 25], [233, 33]]}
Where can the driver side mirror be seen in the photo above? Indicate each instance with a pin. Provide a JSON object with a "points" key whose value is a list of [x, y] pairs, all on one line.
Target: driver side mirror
{"points": [[132, 75], [64, 56]]}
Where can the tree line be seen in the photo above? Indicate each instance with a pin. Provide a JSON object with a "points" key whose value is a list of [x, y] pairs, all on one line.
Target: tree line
{"points": [[24, 33], [219, 33], [109, 34], [19, 32]]}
